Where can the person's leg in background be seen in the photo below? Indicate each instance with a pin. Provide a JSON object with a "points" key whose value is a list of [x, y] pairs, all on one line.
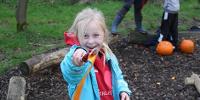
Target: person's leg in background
{"points": [[120, 15], [138, 5], [174, 30], [165, 26]]}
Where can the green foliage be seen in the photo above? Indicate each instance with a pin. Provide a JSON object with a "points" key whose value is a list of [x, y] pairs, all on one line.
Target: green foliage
{"points": [[48, 19]]}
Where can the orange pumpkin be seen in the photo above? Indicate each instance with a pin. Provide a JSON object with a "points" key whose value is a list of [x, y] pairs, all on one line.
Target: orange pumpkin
{"points": [[164, 48], [187, 46]]}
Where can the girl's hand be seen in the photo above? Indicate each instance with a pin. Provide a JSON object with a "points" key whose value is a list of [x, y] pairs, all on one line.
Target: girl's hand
{"points": [[124, 96], [77, 57]]}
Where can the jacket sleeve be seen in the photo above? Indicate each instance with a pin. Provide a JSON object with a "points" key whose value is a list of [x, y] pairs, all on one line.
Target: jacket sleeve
{"points": [[72, 73], [121, 83]]}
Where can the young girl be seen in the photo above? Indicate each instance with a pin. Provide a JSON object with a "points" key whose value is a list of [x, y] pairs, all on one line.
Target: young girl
{"points": [[104, 81]]}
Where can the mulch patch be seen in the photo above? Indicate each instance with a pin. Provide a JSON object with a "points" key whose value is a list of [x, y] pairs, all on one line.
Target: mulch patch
{"points": [[150, 76]]}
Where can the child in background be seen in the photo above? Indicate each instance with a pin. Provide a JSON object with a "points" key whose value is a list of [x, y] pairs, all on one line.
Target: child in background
{"points": [[169, 24], [105, 80]]}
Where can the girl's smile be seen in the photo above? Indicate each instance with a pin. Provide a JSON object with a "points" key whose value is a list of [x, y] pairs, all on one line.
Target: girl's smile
{"points": [[93, 36]]}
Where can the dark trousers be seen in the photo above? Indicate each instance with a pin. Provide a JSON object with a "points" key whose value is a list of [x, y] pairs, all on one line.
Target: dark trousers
{"points": [[169, 27], [138, 5]]}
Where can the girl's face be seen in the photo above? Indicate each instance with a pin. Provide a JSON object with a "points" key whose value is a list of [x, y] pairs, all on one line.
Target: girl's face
{"points": [[93, 36]]}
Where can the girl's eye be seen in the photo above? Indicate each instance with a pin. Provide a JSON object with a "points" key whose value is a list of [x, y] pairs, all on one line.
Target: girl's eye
{"points": [[96, 35], [86, 36]]}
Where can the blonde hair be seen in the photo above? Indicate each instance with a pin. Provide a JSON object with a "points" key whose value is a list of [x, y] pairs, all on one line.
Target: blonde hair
{"points": [[82, 20]]}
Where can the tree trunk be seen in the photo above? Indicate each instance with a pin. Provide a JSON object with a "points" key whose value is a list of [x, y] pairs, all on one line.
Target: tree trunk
{"points": [[16, 89], [42, 61], [21, 15]]}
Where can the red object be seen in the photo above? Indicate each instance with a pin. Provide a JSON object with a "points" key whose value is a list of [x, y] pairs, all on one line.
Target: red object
{"points": [[104, 78], [85, 57], [71, 39]]}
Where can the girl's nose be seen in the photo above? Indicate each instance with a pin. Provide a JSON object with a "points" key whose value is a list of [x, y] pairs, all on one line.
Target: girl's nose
{"points": [[91, 40], [91, 43]]}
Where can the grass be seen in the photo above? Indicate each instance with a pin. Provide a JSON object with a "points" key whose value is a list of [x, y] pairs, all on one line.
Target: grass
{"points": [[47, 22]]}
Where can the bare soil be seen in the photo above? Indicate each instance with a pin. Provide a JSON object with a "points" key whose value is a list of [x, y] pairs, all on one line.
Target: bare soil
{"points": [[150, 76]]}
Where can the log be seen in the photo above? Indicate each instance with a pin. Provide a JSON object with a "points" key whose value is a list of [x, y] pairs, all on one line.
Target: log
{"points": [[193, 80], [16, 89], [40, 62]]}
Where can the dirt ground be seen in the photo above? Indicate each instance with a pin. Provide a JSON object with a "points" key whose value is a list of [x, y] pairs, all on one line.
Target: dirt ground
{"points": [[150, 76]]}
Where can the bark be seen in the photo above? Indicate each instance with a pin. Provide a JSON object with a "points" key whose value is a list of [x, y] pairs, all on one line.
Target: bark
{"points": [[43, 61], [16, 89], [21, 15]]}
